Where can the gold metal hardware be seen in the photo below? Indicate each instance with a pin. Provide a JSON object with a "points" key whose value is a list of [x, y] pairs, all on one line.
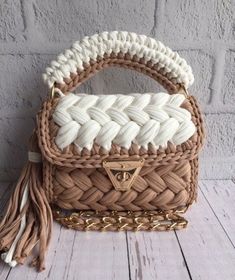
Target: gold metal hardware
{"points": [[55, 92], [52, 92], [123, 173], [184, 91], [119, 221]]}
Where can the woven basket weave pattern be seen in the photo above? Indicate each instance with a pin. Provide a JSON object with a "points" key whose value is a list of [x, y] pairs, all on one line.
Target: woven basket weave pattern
{"points": [[165, 187], [118, 179], [75, 180]]}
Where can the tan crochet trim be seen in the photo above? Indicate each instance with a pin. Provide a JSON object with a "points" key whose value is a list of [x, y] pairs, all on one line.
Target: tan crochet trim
{"points": [[75, 179], [71, 157], [124, 61]]}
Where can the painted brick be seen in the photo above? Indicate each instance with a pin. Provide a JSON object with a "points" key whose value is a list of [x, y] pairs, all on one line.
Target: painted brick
{"points": [[120, 81], [11, 20], [71, 20], [40, 26], [21, 85], [228, 89], [15, 133], [204, 19], [8, 174], [202, 65], [220, 136]]}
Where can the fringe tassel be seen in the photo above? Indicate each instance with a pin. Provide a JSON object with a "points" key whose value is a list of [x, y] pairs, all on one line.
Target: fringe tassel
{"points": [[28, 219]]}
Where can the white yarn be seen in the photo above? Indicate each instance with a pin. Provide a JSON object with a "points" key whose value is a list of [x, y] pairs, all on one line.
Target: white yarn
{"points": [[122, 119], [119, 41], [7, 257], [34, 157]]}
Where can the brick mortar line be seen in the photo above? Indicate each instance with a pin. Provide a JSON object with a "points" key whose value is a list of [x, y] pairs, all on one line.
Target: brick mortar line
{"points": [[218, 159], [27, 16], [32, 46], [220, 108], [217, 77], [34, 38], [159, 11]]}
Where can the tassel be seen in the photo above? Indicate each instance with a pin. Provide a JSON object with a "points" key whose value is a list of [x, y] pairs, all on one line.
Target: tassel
{"points": [[28, 219]]}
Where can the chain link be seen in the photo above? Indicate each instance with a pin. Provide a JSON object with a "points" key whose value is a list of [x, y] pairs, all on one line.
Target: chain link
{"points": [[120, 221]]}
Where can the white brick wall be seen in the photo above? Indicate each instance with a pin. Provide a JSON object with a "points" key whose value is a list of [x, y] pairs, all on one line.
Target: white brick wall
{"points": [[33, 32]]}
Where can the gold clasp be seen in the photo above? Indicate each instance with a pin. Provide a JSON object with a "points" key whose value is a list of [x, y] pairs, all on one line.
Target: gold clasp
{"points": [[55, 92], [184, 91], [123, 173], [52, 92]]}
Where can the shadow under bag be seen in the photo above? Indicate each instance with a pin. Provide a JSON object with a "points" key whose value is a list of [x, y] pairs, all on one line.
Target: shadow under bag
{"points": [[107, 162]]}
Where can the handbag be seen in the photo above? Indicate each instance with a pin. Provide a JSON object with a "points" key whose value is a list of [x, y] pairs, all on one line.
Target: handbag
{"points": [[107, 162]]}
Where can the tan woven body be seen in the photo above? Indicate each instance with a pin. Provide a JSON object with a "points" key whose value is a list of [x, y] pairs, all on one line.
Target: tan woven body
{"points": [[76, 180], [165, 187], [142, 187]]}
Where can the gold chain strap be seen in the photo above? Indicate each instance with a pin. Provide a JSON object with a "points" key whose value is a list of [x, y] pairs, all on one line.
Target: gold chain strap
{"points": [[119, 221]]}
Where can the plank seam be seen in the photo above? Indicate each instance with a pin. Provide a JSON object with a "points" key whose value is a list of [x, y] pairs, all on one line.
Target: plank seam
{"points": [[55, 251], [8, 273], [217, 218], [128, 256], [71, 255], [183, 256]]}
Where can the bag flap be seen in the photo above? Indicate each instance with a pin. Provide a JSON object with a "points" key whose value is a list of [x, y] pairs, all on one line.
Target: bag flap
{"points": [[82, 131]]}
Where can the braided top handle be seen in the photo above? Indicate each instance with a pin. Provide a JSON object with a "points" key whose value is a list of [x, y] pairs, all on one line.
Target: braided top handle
{"points": [[119, 48]]}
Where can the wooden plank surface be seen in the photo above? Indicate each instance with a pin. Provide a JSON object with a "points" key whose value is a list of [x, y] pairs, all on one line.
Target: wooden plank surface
{"points": [[81, 255], [101, 256], [221, 197], [29, 273], [205, 250], [156, 256]]}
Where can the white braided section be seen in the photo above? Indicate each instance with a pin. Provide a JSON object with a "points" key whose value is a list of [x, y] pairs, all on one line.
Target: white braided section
{"points": [[122, 119], [118, 41]]}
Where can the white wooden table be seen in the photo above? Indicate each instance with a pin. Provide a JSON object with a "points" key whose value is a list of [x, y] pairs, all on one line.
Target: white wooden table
{"points": [[205, 250]]}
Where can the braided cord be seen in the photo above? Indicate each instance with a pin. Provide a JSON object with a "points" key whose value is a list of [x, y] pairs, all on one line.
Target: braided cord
{"points": [[108, 44], [142, 119]]}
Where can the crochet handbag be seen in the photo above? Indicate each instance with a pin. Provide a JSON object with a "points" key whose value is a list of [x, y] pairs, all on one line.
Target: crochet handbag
{"points": [[107, 162]]}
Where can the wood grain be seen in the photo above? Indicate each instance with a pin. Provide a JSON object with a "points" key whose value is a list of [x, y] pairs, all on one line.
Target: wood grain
{"points": [[29, 273], [205, 250], [99, 256], [155, 256], [221, 197]]}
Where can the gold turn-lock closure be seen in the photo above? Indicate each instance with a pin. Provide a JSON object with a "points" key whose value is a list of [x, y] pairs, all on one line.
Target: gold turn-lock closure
{"points": [[123, 173]]}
